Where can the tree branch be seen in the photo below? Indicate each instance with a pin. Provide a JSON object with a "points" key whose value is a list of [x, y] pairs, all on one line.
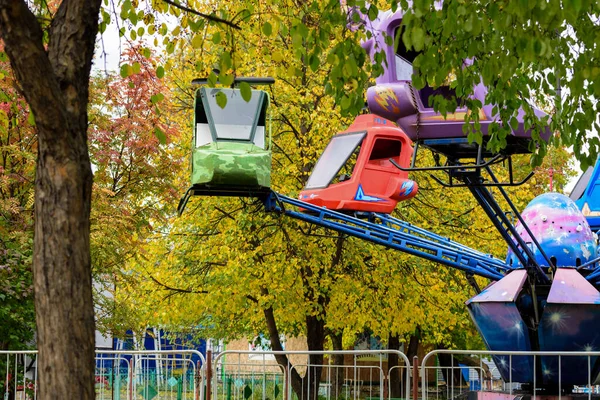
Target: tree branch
{"points": [[177, 290], [205, 16]]}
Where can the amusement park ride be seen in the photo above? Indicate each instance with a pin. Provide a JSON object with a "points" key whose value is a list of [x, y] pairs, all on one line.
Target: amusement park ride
{"points": [[544, 296]]}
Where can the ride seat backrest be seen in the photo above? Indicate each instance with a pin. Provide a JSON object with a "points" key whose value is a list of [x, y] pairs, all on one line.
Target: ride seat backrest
{"points": [[383, 150], [262, 118]]}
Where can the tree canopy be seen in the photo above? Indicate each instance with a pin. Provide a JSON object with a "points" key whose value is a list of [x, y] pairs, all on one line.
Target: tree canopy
{"points": [[541, 52]]}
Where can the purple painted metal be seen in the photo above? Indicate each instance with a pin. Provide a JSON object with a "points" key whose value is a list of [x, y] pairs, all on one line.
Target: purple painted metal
{"points": [[569, 287], [570, 323], [394, 98], [506, 289]]}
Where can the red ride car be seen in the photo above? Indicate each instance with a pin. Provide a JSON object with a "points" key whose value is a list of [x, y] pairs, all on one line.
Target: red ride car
{"points": [[355, 173]]}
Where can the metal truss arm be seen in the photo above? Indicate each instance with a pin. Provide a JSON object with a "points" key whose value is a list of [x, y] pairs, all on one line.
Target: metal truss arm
{"points": [[394, 234], [508, 231]]}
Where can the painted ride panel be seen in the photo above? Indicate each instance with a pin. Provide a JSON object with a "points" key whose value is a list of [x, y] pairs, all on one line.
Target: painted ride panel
{"points": [[586, 195], [501, 325], [355, 173], [560, 228], [231, 144], [231, 147], [568, 310], [395, 98], [570, 323]]}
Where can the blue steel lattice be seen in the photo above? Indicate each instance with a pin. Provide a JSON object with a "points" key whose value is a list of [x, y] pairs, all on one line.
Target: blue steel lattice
{"points": [[393, 233]]}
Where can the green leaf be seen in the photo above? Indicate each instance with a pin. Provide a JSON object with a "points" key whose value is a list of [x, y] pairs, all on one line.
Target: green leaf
{"points": [[155, 98], [267, 28], [197, 41], [225, 60], [245, 91], [212, 79], [216, 39], [170, 48], [136, 67], [389, 40], [221, 99], [226, 79], [469, 23], [31, 119], [125, 70], [314, 62], [133, 17], [302, 30], [345, 102], [160, 72], [373, 12], [418, 38], [160, 135]]}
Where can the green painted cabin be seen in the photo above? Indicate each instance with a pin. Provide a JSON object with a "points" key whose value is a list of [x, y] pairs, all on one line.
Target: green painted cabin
{"points": [[231, 149]]}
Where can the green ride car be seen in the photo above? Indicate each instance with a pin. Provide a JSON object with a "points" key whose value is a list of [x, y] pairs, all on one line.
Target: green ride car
{"points": [[231, 153]]}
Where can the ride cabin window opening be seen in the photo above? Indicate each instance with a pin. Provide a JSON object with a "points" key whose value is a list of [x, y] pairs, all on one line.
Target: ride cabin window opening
{"points": [[203, 135], [238, 121], [383, 150], [345, 173], [404, 71], [337, 153]]}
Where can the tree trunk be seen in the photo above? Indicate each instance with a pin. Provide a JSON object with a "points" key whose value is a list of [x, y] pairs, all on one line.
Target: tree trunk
{"points": [[293, 377], [395, 368], [55, 83], [412, 349], [307, 387], [315, 339], [337, 379], [449, 366]]}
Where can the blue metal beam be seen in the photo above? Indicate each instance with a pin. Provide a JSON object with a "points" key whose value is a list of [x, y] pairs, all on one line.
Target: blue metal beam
{"points": [[395, 234], [429, 237], [507, 230]]}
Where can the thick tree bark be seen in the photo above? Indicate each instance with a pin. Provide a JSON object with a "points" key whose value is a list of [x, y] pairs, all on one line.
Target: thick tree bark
{"points": [[412, 349], [307, 387], [449, 366], [292, 374], [413, 344], [315, 339], [395, 368], [55, 83], [338, 366]]}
